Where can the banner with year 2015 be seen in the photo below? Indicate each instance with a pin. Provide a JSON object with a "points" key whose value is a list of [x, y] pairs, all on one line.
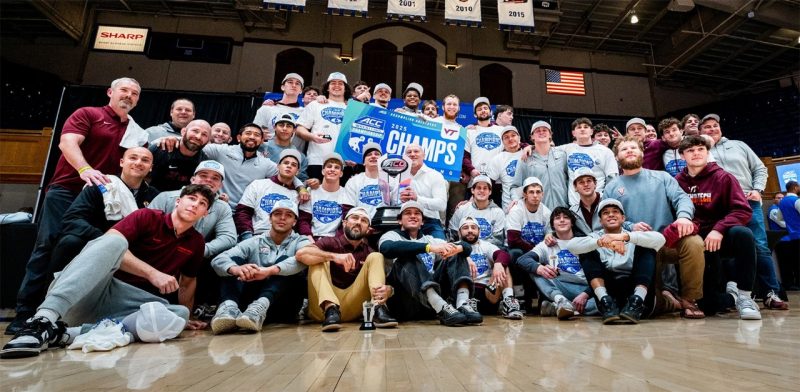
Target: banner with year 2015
{"points": [[362, 124], [515, 15]]}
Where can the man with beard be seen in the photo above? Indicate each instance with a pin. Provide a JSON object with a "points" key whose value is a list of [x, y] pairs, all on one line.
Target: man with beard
{"points": [[382, 94], [451, 105], [654, 200], [319, 123], [261, 271], [252, 214], [343, 272], [221, 133], [546, 163], [489, 268], [503, 167], [429, 188], [90, 149], [284, 133], [690, 124], [430, 109], [491, 218], [181, 112], [484, 138], [583, 152], [412, 96], [173, 169], [738, 158], [322, 216], [267, 116], [617, 262], [426, 270]]}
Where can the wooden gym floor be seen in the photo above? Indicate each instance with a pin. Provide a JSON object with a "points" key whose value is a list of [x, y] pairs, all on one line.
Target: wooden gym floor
{"points": [[720, 353]]}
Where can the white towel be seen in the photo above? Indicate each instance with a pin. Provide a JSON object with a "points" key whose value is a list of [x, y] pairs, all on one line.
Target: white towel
{"points": [[105, 336], [118, 199], [135, 136]]}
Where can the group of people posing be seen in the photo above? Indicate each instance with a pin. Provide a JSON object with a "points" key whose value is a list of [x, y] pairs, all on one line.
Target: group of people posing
{"points": [[278, 227]]}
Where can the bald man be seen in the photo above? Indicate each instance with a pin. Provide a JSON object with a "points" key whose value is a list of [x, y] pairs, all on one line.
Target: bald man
{"points": [[221, 133], [173, 169]]}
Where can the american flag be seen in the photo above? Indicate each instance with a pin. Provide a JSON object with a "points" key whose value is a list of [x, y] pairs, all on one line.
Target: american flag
{"points": [[563, 82]]}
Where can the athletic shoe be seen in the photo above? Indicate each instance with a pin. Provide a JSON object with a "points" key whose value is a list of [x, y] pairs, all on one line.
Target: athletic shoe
{"points": [[772, 301], [18, 323], [564, 309], [225, 318], [633, 309], [748, 310], [608, 309], [450, 317], [302, 314], [205, 312], [253, 317], [382, 318], [469, 310], [333, 318], [36, 335], [547, 309], [509, 308]]}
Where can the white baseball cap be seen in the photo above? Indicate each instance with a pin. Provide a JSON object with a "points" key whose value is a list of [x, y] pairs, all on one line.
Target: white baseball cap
{"points": [[337, 76], [358, 211], [294, 76], [413, 86], [211, 165], [284, 204], [635, 120], [541, 123], [380, 86], [155, 323], [479, 101], [609, 202]]}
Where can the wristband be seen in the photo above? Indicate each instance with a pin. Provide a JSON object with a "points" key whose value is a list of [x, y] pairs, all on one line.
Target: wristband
{"points": [[83, 169], [302, 190], [427, 248]]}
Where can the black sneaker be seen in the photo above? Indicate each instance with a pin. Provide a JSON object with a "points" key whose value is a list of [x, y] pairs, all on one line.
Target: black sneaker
{"points": [[469, 310], [633, 309], [18, 323], [36, 336], [608, 309], [333, 318], [382, 318], [451, 317]]}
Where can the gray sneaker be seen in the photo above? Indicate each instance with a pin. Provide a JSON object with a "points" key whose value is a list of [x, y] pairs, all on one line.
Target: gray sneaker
{"points": [[509, 308], [253, 317], [547, 309], [225, 318], [748, 310], [564, 309]]}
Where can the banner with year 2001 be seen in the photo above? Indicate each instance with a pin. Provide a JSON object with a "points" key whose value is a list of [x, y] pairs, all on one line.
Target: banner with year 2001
{"points": [[444, 148], [406, 9], [515, 15]]}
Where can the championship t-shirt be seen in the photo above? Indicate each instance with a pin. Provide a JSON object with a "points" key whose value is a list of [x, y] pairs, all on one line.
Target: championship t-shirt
{"points": [[261, 195]]}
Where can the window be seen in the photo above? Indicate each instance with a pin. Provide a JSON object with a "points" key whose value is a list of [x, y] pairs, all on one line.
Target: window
{"points": [[293, 60], [496, 84], [419, 65], [379, 64]]}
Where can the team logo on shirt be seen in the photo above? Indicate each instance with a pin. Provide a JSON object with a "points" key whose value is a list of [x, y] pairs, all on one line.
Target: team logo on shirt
{"points": [[533, 232], [370, 194], [511, 169], [675, 166], [488, 140], [621, 191], [480, 262], [568, 262], [485, 226], [333, 115], [578, 160], [427, 259], [268, 200], [326, 211]]}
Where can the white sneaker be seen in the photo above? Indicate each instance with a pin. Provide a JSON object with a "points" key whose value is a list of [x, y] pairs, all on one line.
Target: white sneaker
{"points": [[748, 310], [225, 318], [252, 319], [547, 309], [564, 309]]}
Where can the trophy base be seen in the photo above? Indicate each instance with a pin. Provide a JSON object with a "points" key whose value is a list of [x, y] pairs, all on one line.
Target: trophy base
{"points": [[386, 218], [367, 326]]}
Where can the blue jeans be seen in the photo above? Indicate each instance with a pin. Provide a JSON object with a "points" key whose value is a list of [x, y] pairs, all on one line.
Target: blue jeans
{"points": [[411, 279], [765, 269], [552, 287], [433, 228]]}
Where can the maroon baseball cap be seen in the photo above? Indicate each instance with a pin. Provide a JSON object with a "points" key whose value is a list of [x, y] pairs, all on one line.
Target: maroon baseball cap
{"points": [[671, 234]]}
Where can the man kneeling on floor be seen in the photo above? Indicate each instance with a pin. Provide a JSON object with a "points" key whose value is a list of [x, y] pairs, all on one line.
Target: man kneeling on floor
{"points": [[150, 249], [263, 268], [426, 269], [617, 262], [343, 272]]}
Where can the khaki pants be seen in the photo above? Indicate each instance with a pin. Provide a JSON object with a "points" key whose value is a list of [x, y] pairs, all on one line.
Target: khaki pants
{"points": [[350, 299], [688, 254]]}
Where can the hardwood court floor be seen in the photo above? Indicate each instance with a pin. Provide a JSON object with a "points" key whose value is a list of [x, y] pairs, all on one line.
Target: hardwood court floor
{"points": [[720, 353]]}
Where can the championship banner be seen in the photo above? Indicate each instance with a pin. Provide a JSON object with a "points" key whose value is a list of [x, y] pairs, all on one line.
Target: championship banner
{"points": [[362, 124], [406, 10], [462, 12], [348, 7], [515, 15], [287, 5]]}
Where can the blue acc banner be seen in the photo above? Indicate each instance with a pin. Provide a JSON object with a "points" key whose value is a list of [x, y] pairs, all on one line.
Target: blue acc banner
{"points": [[364, 123]]}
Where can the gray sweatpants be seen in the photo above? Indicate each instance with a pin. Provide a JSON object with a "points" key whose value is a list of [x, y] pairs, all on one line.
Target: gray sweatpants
{"points": [[86, 290], [552, 287]]}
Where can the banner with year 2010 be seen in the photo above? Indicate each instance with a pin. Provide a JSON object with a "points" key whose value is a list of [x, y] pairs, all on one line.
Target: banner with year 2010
{"points": [[362, 124], [463, 12], [515, 15]]}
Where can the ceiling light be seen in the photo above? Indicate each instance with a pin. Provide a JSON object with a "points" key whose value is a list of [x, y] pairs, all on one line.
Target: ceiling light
{"points": [[634, 18]]}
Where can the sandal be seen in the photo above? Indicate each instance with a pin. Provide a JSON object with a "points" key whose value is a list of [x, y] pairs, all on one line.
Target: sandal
{"points": [[691, 310]]}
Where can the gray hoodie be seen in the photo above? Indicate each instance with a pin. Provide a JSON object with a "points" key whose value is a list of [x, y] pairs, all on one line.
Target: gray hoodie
{"points": [[613, 260], [262, 251], [737, 158]]}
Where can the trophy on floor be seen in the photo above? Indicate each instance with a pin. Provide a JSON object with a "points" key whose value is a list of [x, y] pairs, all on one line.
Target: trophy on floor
{"points": [[368, 311]]}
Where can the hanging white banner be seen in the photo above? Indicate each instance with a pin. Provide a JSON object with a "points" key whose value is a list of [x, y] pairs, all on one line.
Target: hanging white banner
{"points": [[462, 12], [348, 7], [290, 5], [515, 15], [409, 9]]}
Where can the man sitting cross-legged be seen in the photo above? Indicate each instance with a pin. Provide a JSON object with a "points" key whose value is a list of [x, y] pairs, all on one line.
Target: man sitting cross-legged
{"points": [[156, 254], [344, 272], [263, 268], [617, 262]]}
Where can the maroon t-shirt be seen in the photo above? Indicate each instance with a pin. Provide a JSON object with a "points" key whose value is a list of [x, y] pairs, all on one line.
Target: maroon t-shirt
{"points": [[103, 130], [339, 244], [151, 237]]}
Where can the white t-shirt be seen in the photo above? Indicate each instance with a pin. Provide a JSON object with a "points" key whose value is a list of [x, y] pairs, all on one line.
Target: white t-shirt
{"points": [[326, 211], [266, 116], [370, 193], [322, 118], [491, 222], [482, 144], [503, 167], [483, 257], [567, 263], [261, 195], [674, 164], [532, 225], [596, 157]]}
